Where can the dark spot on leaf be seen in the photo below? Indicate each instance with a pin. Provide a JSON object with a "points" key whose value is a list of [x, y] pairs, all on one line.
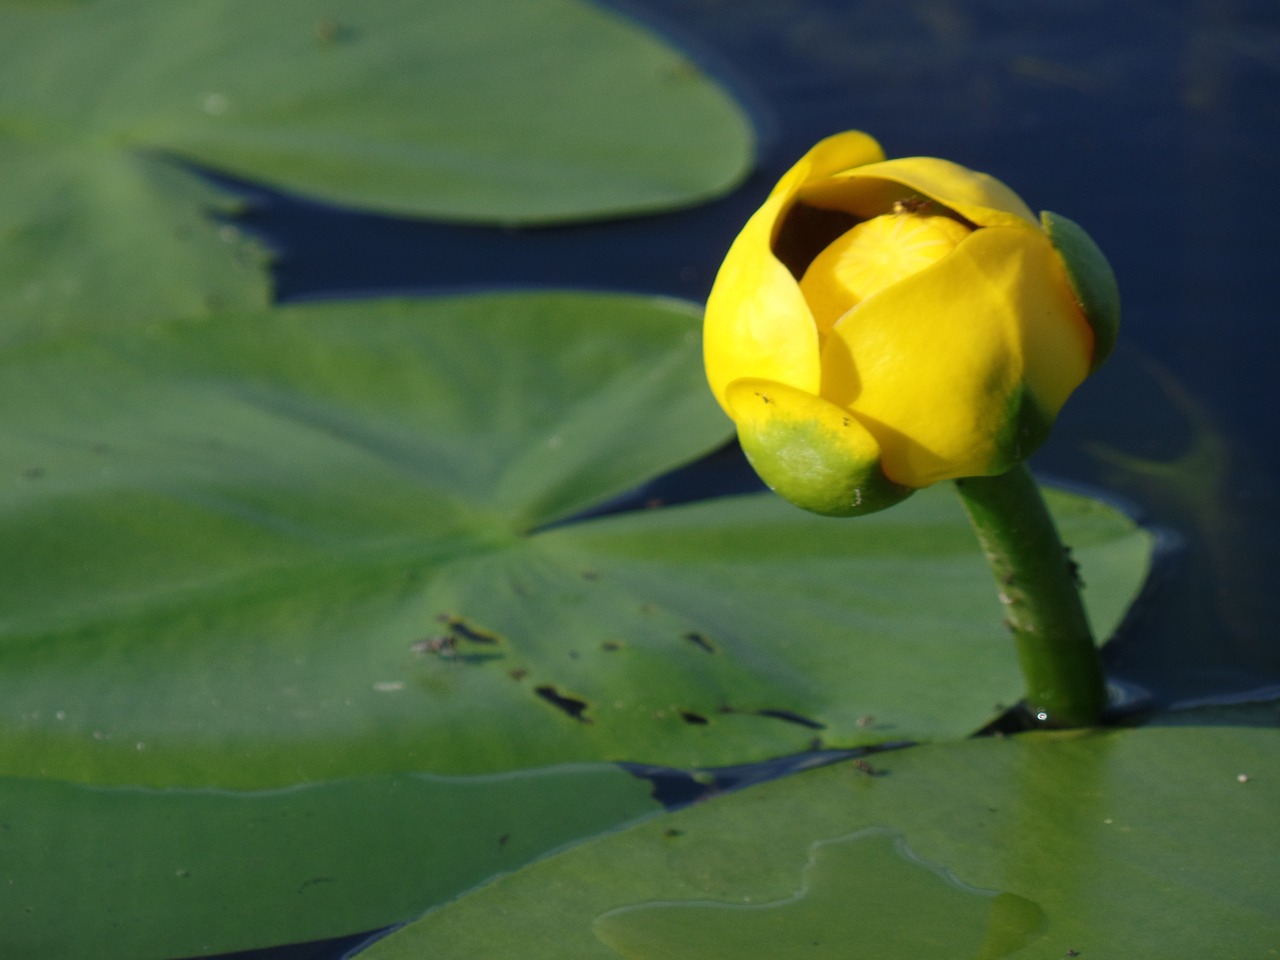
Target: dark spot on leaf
{"points": [[466, 631], [570, 705], [612, 646], [698, 640], [697, 719], [573, 654], [502, 840], [865, 768], [313, 881], [672, 832], [33, 473], [519, 673], [792, 717], [590, 574]]}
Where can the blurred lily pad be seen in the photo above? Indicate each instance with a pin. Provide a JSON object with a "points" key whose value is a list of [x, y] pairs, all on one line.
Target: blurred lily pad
{"points": [[335, 541], [1038, 847], [502, 111]]}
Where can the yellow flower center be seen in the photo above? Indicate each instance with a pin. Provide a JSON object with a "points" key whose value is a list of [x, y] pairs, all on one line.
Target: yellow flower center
{"points": [[873, 255]]}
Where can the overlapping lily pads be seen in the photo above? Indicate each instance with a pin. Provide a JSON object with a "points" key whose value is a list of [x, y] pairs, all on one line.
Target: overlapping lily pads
{"points": [[1142, 843], [495, 110], [331, 542]]}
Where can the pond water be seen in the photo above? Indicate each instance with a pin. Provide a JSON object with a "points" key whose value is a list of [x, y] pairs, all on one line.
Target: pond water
{"points": [[1156, 125]]}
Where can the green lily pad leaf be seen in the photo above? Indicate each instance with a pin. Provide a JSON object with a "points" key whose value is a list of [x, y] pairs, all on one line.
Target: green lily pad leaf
{"points": [[868, 887], [94, 236], [330, 542], [130, 874], [503, 111], [1033, 847]]}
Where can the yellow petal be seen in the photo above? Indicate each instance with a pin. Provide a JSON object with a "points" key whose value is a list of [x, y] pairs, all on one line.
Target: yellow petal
{"points": [[978, 197], [809, 451], [936, 366], [832, 155], [757, 322], [872, 255]]}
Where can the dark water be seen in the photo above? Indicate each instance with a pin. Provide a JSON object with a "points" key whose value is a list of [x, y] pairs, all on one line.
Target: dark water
{"points": [[1154, 123]]}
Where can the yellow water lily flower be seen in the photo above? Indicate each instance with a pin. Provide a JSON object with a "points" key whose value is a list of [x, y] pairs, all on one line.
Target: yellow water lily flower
{"points": [[881, 325]]}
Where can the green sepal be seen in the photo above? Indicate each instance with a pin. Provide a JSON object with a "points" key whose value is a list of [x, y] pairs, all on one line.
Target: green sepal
{"points": [[804, 463], [1092, 281], [1025, 429]]}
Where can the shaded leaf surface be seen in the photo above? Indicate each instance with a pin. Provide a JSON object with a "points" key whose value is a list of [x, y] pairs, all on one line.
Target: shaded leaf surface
{"points": [[1038, 846], [129, 874], [495, 110], [248, 553]]}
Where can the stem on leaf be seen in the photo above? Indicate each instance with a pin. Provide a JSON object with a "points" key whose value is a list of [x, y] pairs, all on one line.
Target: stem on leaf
{"points": [[1038, 588]]}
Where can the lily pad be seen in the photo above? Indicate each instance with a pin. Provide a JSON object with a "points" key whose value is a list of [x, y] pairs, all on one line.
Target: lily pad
{"points": [[1034, 847], [133, 874], [501, 111], [339, 540]]}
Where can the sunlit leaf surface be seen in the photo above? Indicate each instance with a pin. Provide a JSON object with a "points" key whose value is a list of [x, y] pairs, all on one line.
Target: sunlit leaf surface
{"points": [[327, 543], [504, 111], [1141, 843]]}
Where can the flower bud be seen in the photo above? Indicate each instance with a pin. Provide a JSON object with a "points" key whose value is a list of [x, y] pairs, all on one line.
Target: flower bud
{"points": [[881, 325]]}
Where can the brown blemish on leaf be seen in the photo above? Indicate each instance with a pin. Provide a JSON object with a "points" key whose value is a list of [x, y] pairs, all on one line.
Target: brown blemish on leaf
{"points": [[571, 705], [463, 630]]}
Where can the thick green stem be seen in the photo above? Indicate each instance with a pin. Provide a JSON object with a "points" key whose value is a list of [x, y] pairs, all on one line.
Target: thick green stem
{"points": [[1037, 583]]}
